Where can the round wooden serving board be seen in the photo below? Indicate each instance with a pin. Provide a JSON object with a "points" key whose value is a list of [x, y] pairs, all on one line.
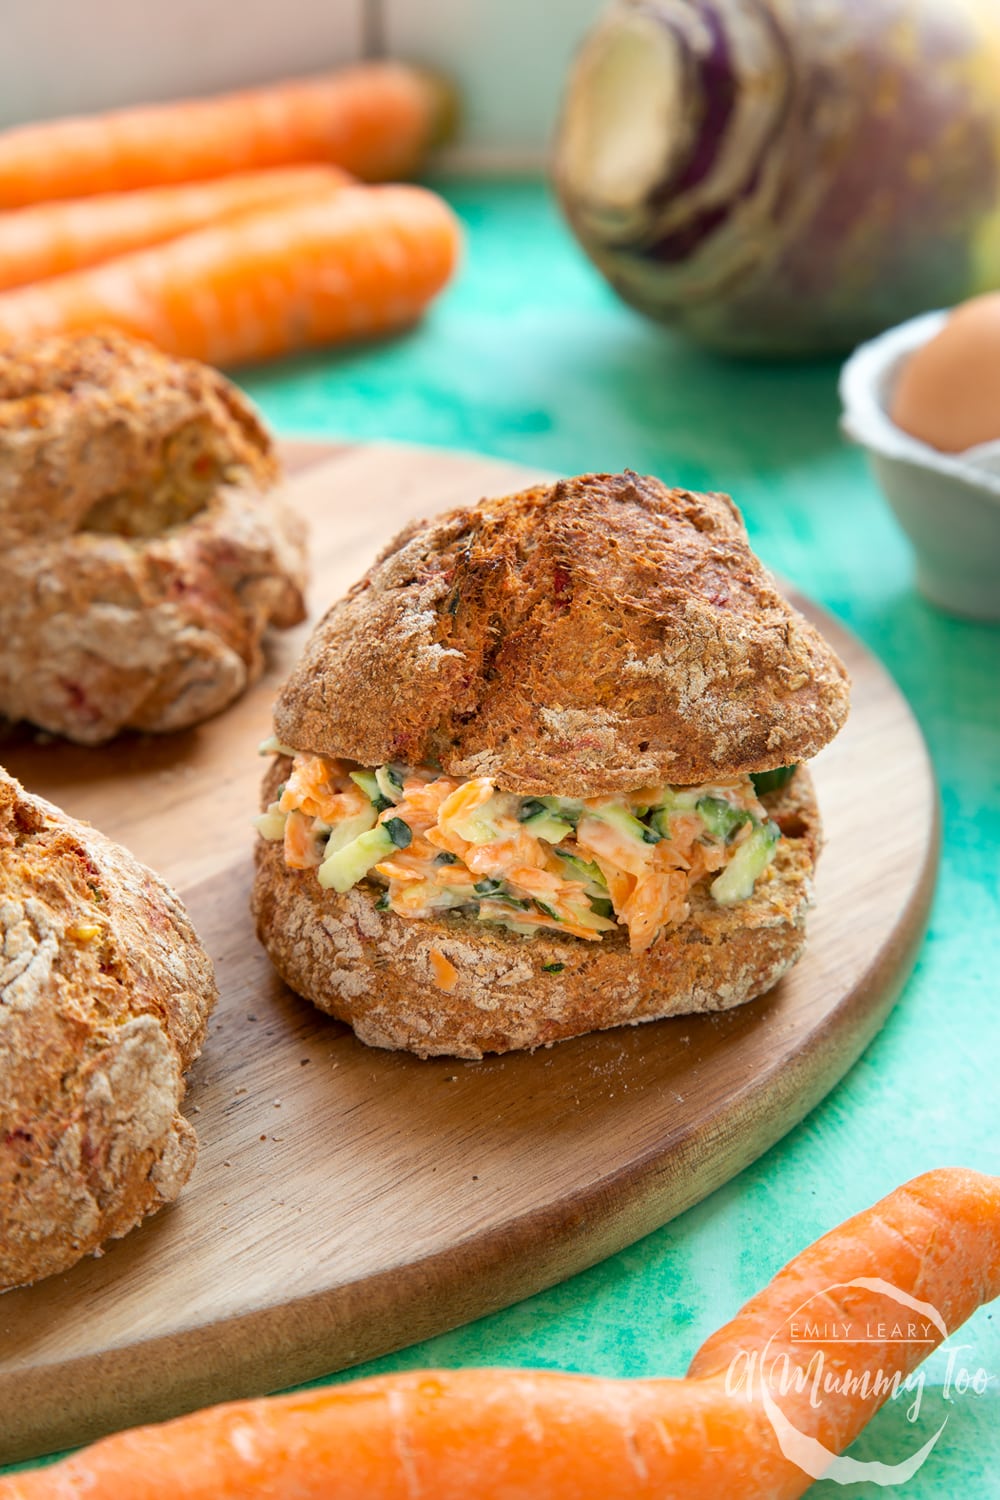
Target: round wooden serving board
{"points": [[348, 1201]]}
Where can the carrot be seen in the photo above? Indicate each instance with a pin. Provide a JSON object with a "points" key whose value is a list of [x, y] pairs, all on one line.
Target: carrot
{"points": [[349, 263], [376, 120], [542, 1435], [50, 239], [445, 973]]}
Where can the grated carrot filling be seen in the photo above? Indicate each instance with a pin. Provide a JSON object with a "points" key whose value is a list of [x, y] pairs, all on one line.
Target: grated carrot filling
{"points": [[575, 867]]}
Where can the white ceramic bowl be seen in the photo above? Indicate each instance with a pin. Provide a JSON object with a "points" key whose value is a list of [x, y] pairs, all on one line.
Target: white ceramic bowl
{"points": [[948, 504]]}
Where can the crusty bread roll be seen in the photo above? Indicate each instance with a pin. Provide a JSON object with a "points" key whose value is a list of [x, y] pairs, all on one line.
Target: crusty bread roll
{"points": [[105, 993], [141, 559], [584, 640], [590, 636]]}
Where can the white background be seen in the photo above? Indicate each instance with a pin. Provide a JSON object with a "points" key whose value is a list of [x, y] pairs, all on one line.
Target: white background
{"points": [[508, 56]]}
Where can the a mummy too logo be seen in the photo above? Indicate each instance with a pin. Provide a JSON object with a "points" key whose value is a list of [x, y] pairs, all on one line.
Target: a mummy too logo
{"points": [[841, 1355]]}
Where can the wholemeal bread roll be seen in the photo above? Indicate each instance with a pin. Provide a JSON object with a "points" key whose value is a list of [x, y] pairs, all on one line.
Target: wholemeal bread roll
{"points": [[105, 993], [141, 558], [592, 635], [604, 643]]}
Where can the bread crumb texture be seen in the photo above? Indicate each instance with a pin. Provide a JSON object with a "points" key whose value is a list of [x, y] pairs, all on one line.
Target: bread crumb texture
{"points": [[588, 637], [105, 993], [141, 555]]}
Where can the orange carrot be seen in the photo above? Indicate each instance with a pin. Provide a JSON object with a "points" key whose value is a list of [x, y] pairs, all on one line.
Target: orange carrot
{"points": [[376, 120], [445, 973], [541, 1435], [50, 239], [347, 264]]}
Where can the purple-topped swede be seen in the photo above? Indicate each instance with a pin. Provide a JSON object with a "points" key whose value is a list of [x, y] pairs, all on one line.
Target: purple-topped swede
{"points": [[784, 176]]}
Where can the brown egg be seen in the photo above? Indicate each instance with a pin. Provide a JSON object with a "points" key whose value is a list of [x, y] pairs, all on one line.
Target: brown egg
{"points": [[948, 393]]}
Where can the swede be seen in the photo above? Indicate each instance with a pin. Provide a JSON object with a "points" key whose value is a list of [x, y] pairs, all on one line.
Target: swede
{"points": [[787, 175]]}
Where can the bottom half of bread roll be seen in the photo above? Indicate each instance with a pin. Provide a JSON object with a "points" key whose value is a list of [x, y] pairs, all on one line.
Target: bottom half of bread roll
{"points": [[456, 986]]}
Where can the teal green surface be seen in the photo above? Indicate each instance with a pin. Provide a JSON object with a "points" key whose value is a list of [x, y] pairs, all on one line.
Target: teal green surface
{"points": [[530, 357]]}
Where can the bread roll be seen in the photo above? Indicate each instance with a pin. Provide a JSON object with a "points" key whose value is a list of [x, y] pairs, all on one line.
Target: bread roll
{"points": [[605, 637], [105, 993], [599, 634], [141, 559]]}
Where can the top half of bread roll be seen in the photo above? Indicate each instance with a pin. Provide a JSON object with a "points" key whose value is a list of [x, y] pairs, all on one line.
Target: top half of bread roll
{"points": [[587, 637]]}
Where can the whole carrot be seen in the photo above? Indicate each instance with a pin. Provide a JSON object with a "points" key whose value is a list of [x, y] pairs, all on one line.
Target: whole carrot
{"points": [[375, 120], [51, 239], [345, 264], [541, 1435]]}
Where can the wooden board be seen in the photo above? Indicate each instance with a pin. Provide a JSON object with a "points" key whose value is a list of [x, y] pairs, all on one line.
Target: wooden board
{"points": [[348, 1201]]}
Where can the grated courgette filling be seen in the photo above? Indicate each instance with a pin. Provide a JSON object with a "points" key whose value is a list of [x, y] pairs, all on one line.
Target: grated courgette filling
{"points": [[580, 867]]}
